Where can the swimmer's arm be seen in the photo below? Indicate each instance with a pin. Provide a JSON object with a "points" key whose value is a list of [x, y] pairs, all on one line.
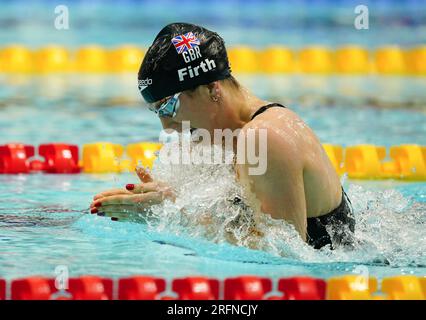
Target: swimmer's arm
{"points": [[280, 189]]}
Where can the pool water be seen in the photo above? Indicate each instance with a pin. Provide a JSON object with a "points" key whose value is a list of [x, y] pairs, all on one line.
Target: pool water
{"points": [[256, 23], [44, 218]]}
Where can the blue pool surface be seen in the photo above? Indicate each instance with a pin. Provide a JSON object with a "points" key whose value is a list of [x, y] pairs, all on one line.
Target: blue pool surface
{"points": [[44, 221], [257, 23], [81, 109]]}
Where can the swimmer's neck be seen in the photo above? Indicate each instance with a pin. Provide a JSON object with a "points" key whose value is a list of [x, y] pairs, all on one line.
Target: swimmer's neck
{"points": [[239, 105]]}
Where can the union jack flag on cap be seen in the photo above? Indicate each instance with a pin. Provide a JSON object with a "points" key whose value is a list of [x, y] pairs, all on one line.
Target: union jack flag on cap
{"points": [[185, 41]]}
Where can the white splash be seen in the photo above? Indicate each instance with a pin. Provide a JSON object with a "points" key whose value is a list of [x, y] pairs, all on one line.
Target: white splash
{"points": [[389, 227]]}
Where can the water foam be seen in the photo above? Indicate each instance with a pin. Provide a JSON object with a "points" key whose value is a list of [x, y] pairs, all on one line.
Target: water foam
{"points": [[389, 226]]}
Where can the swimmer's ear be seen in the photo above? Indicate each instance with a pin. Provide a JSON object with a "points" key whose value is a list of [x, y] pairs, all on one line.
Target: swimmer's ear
{"points": [[214, 90], [144, 175]]}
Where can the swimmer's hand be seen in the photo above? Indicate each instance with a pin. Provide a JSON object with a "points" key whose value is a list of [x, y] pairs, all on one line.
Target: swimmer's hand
{"points": [[134, 199]]}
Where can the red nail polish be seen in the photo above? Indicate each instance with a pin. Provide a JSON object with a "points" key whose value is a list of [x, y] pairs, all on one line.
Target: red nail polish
{"points": [[98, 204], [130, 186], [94, 210]]}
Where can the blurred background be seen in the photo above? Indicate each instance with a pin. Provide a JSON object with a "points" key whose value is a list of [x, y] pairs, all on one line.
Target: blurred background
{"points": [[68, 73], [257, 23], [74, 64]]}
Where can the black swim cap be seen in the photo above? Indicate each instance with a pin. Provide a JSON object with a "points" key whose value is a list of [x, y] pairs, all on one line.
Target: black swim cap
{"points": [[182, 57]]}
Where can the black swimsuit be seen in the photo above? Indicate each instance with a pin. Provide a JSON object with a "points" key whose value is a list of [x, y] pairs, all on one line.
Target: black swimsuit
{"points": [[337, 226]]}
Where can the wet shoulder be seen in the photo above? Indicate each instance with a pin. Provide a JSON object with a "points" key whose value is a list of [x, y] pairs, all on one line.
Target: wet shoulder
{"points": [[279, 119]]}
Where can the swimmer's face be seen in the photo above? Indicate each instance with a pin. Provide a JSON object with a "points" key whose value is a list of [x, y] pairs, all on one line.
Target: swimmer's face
{"points": [[196, 106]]}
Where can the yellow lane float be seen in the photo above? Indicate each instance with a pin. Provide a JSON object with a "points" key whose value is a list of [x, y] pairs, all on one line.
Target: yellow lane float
{"points": [[102, 157], [52, 59], [352, 59], [143, 153], [351, 287], [410, 161], [243, 60], [390, 60], [364, 161], [16, 58], [403, 288], [91, 59], [277, 60], [416, 60], [125, 59], [405, 162], [316, 60]]}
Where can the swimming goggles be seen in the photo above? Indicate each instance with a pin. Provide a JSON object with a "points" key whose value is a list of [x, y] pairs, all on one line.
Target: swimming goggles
{"points": [[168, 108]]}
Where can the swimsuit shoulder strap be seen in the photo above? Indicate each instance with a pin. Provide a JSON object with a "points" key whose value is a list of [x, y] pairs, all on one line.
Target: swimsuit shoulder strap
{"points": [[264, 108]]}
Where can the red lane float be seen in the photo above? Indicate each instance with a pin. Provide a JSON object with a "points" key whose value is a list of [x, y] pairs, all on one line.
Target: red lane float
{"points": [[2, 289], [196, 288], [14, 158], [59, 158], [302, 288], [90, 288], [347, 287], [247, 288], [34, 288], [83, 288], [140, 288]]}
